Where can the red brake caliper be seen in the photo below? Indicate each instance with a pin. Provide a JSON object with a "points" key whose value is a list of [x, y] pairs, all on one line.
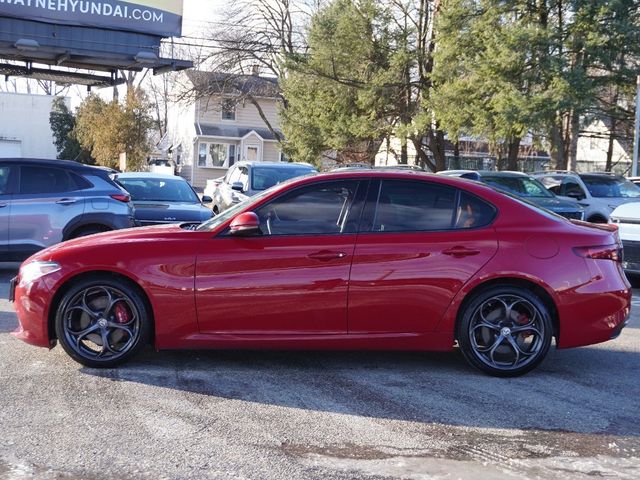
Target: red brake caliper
{"points": [[523, 319], [122, 313]]}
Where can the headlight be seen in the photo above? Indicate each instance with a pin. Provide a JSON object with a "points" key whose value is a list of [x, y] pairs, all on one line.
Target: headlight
{"points": [[34, 270]]}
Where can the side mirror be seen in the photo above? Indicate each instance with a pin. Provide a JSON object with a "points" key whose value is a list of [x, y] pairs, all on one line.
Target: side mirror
{"points": [[207, 199], [237, 186], [245, 224]]}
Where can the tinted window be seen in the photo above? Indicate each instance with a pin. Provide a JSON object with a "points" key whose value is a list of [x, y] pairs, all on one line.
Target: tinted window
{"points": [[267, 177], [523, 186], [473, 212], [572, 188], [414, 206], [4, 179], [159, 189], [611, 187], [325, 208], [552, 183], [80, 182], [45, 180], [244, 178]]}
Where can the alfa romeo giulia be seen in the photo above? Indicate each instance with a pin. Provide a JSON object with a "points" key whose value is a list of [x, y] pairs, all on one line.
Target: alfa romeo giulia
{"points": [[351, 260]]}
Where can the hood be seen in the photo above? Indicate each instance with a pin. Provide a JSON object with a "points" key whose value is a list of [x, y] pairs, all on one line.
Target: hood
{"points": [[627, 211], [614, 202], [556, 204], [110, 239], [171, 212]]}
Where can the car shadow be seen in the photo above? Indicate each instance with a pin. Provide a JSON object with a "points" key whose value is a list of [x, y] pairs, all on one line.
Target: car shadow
{"points": [[584, 390]]}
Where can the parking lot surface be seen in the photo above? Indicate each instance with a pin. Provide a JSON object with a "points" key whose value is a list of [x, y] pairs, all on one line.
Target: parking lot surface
{"points": [[324, 415]]}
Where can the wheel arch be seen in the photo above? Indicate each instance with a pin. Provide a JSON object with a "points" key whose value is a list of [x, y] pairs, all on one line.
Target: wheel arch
{"points": [[84, 226], [509, 281], [70, 282]]}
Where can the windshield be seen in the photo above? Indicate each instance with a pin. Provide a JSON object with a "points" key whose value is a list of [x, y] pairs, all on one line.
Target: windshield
{"points": [[521, 186], [611, 187], [159, 190], [227, 214], [266, 177]]}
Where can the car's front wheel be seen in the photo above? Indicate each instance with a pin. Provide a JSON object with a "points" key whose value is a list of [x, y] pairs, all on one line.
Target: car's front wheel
{"points": [[505, 331], [102, 322]]}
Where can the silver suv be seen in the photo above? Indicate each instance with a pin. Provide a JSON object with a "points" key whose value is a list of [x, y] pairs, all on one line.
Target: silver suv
{"points": [[43, 202], [598, 193]]}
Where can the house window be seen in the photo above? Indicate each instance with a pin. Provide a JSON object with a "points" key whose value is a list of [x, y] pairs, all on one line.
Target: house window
{"points": [[228, 109], [216, 155], [283, 157]]}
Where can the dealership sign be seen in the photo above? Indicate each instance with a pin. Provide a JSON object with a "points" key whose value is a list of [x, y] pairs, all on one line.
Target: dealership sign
{"points": [[153, 17]]}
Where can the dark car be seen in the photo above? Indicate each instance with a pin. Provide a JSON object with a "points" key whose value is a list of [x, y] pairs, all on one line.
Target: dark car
{"points": [[369, 260], [160, 198], [524, 186], [43, 202], [245, 179]]}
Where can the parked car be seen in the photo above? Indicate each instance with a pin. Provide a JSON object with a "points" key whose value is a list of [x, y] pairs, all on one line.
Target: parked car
{"points": [[634, 180], [524, 186], [162, 166], [598, 193], [245, 179], [43, 202], [162, 198], [358, 260], [211, 186], [627, 218]]}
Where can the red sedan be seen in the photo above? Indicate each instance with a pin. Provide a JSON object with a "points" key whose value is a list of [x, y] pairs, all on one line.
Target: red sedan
{"points": [[351, 260]]}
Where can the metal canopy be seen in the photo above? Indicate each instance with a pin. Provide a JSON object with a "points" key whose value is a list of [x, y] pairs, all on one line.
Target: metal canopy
{"points": [[73, 47]]}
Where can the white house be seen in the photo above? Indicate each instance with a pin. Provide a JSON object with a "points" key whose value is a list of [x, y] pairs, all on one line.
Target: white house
{"points": [[24, 126], [224, 124]]}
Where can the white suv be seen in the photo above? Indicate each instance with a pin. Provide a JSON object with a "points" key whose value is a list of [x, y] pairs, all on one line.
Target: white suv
{"points": [[598, 193]]}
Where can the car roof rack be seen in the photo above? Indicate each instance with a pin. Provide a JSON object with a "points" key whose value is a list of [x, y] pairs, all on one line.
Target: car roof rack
{"points": [[567, 172]]}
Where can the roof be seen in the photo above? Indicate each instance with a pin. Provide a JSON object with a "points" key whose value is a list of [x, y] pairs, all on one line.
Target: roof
{"points": [[148, 175], [234, 84], [232, 131], [54, 163], [274, 164]]}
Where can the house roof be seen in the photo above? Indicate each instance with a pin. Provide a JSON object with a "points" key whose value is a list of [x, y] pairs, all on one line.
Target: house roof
{"points": [[231, 131], [234, 84]]}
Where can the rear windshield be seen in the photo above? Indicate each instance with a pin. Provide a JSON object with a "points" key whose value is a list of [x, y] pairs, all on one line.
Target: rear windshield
{"points": [[267, 177], [611, 187], [521, 186], [159, 189]]}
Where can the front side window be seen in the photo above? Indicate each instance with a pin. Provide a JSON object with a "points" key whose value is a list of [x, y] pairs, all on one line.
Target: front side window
{"points": [[4, 180], [571, 188], [526, 187], [228, 109], [552, 183], [324, 208], [35, 180]]}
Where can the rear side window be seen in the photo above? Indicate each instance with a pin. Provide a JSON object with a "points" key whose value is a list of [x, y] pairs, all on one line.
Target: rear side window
{"points": [[4, 179], [42, 180], [80, 182], [414, 206], [407, 206]]}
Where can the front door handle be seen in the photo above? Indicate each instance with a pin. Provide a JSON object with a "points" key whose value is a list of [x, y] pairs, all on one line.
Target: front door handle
{"points": [[325, 255], [460, 252], [66, 201], [2, 205]]}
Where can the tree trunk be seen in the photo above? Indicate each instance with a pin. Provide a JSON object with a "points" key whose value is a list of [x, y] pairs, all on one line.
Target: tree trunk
{"points": [[404, 156], [437, 146], [612, 137], [558, 159], [423, 159], [513, 148], [456, 155], [573, 140]]}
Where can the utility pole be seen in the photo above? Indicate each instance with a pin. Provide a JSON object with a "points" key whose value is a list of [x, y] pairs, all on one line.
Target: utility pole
{"points": [[636, 136]]}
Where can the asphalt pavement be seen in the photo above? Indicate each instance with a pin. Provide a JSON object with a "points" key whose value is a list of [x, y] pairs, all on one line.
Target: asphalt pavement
{"points": [[317, 415]]}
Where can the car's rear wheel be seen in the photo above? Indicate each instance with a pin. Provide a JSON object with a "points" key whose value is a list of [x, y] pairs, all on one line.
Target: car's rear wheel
{"points": [[505, 331], [102, 322]]}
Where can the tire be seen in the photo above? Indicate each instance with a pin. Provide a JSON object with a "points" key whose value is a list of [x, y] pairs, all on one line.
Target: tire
{"points": [[487, 325], [83, 232], [102, 322]]}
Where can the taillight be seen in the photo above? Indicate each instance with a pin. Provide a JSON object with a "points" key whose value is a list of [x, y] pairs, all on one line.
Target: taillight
{"points": [[602, 252], [121, 197]]}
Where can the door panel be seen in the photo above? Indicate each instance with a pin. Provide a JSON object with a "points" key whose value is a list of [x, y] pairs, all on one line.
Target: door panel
{"points": [[405, 282], [274, 285]]}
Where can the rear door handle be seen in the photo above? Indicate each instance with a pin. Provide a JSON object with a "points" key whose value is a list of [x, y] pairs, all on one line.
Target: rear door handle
{"points": [[460, 252], [325, 255], [66, 201]]}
